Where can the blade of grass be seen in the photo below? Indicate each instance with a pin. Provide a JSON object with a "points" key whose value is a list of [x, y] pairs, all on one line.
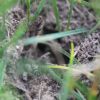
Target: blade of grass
{"points": [[79, 95], [64, 52], [68, 80], [75, 72], [23, 26], [39, 9], [17, 35], [70, 13], [44, 38], [94, 28], [36, 68], [2, 70], [28, 9], [5, 5], [56, 12], [2, 34], [82, 88], [19, 32], [83, 2], [72, 54]]}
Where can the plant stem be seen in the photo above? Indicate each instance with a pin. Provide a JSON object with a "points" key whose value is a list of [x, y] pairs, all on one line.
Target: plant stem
{"points": [[70, 14], [94, 28]]}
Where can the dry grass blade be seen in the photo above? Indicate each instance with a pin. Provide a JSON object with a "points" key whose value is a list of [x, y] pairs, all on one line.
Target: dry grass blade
{"points": [[81, 68]]}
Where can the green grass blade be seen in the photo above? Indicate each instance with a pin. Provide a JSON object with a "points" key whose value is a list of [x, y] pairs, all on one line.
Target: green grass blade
{"points": [[40, 39], [56, 12], [72, 54], [36, 68], [20, 31], [78, 95], [96, 6], [64, 52], [23, 26], [2, 70], [5, 5], [70, 14], [17, 35], [39, 9], [82, 88], [95, 27], [28, 9], [69, 82]]}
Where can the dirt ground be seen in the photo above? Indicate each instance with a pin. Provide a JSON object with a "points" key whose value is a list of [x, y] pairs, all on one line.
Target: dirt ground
{"points": [[86, 47]]}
